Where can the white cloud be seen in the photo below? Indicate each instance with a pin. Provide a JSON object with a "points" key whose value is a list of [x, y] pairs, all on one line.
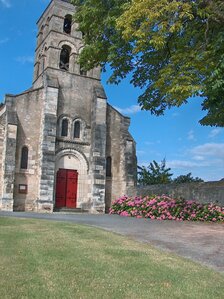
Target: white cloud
{"points": [[214, 132], [176, 164], [205, 155], [179, 164], [129, 110], [198, 158], [4, 40], [205, 161], [24, 59], [213, 150], [190, 135], [6, 3]]}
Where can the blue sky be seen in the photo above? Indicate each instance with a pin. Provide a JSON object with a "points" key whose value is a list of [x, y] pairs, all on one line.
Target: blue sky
{"points": [[177, 136]]}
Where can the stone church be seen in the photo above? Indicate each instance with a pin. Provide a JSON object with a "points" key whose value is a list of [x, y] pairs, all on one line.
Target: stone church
{"points": [[61, 144]]}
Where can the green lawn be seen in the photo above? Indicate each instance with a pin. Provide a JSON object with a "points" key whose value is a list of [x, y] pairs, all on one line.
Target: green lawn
{"points": [[44, 259]]}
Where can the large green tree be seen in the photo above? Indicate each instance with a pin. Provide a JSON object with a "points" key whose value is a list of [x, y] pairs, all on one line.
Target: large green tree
{"points": [[173, 49]]}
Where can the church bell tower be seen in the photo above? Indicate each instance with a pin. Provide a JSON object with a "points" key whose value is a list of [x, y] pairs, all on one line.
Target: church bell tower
{"points": [[58, 44], [72, 98]]}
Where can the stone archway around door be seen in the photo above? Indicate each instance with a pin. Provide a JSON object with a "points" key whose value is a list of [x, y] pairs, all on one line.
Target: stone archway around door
{"points": [[72, 182]]}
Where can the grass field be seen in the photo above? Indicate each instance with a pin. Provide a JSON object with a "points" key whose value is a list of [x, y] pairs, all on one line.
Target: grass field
{"points": [[44, 259]]}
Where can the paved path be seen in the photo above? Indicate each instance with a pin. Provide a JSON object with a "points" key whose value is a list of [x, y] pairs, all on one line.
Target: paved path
{"points": [[201, 242]]}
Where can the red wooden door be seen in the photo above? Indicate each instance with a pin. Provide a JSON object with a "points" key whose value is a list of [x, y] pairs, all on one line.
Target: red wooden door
{"points": [[61, 188], [66, 188], [71, 192]]}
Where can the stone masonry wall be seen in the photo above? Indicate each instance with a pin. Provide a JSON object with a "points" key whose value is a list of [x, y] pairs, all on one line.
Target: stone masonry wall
{"points": [[129, 149], [47, 141], [28, 107], [78, 101], [205, 192], [2, 153], [121, 149], [98, 150], [9, 161]]}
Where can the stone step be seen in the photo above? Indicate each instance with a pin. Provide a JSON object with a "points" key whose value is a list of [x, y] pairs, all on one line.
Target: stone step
{"points": [[68, 210]]}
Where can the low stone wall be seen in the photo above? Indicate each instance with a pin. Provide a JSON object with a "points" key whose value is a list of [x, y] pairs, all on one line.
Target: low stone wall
{"points": [[201, 192]]}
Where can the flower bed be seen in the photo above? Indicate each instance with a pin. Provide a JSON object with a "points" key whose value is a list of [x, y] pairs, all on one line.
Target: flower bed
{"points": [[166, 208]]}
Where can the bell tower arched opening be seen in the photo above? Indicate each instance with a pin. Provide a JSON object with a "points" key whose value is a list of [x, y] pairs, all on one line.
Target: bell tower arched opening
{"points": [[65, 58], [67, 24]]}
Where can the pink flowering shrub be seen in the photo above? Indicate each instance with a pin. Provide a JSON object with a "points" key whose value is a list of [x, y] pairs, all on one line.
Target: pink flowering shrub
{"points": [[166, 208]]}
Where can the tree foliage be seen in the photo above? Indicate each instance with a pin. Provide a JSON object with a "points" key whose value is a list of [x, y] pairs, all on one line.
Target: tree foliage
{"points": [[172, 48], [187, 178], [157, 173], [154, 174]]}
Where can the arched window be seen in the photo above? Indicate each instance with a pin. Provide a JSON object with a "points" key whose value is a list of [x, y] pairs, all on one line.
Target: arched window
{"points": [[64, 127], [64, 58], [77, 129], [108, 167], [24, 158], [67, 24]]}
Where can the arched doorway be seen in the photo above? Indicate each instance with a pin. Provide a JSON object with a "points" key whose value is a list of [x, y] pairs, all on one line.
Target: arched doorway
{"points": [[72, 186]]}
